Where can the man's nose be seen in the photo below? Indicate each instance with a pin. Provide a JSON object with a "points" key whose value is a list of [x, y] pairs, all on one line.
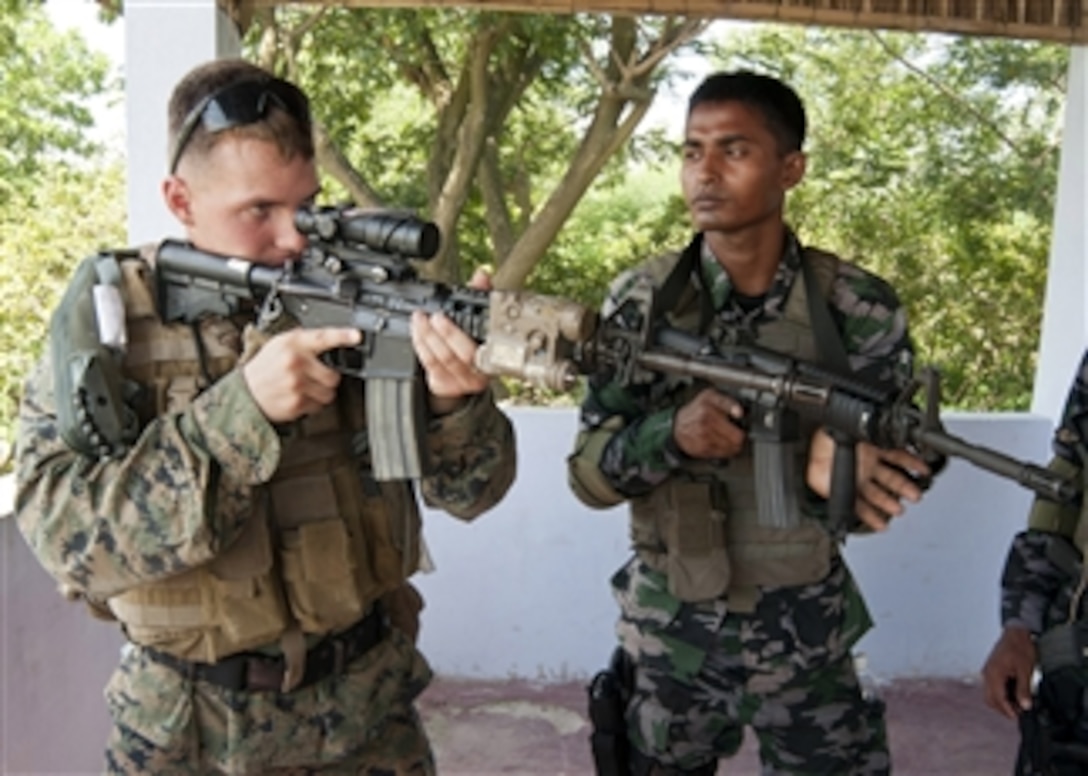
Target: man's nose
{"points": [[707, 168], [288, 237]]}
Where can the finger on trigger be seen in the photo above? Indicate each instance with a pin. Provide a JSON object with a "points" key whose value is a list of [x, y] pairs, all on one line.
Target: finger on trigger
{"points": [[728, 405]]}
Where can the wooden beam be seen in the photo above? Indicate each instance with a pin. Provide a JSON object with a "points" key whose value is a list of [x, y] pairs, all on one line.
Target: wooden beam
{"points": [[1063, 24]]}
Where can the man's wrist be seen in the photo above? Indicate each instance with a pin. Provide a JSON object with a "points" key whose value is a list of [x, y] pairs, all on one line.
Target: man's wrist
{"points": [[446, 405]]}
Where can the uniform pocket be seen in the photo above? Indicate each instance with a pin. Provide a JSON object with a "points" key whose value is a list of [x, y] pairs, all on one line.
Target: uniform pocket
{"points": [[319, 571], [152, 701], [242, 598]]}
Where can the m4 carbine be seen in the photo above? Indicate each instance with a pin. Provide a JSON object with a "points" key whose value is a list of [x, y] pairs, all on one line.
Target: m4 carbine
{"points": [[356, 272], [633, 348]]}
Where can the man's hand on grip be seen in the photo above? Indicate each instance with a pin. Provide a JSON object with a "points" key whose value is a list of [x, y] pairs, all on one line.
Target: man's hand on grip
{"points": [[708, 426], [287, 377], [885, 478], [448, 356]]}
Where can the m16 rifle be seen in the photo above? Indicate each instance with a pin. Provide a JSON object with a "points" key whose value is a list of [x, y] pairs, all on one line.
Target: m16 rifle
{"points": [[356, 271]]}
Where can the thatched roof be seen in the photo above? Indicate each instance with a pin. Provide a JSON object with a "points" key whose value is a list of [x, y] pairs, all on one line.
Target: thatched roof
{"points": [[1052, 20]]}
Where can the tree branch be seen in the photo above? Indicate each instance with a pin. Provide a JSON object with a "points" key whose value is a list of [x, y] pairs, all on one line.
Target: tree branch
{"points": [[981, 119]]}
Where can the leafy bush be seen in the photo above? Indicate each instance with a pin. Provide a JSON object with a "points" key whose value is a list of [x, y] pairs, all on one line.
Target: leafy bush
{"points": [[71, 214]]}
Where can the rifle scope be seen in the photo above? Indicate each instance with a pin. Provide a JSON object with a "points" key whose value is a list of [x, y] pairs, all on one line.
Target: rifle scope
{"points": [[386, 231]]}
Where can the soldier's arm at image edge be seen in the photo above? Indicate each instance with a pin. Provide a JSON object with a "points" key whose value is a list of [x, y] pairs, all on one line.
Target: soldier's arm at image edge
{"points": [[178, 497]]}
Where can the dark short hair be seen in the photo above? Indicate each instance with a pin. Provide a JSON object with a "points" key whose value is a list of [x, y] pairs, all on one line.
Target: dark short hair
{"points": [[290, 129], [781, 107]]}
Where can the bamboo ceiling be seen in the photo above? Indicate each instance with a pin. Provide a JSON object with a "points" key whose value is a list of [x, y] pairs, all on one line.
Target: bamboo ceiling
{"points": [[1051, 20]]}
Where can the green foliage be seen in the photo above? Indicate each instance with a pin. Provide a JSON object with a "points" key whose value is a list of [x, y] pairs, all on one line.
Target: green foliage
{"points": [[71, 214], [45, 81], [933, 161], [387, 85], [60, 197], [614, 229]]}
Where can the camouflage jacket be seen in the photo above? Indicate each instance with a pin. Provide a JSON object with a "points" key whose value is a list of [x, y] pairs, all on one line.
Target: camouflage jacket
{"points": [[864, 308], [1043, 566], [642, 452], [181, 494]]}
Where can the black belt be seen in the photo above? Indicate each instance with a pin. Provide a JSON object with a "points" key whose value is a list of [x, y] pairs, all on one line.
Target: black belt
{"points": [[254, 672]]}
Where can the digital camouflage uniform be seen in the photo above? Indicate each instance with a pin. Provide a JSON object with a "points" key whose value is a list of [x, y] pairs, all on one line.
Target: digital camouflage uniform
{"points": [[177, 500], [704, 671], [1042, 583]]}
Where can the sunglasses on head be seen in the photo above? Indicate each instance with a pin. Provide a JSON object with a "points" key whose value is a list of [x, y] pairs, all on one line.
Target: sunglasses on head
{"points": [[239, 104]]}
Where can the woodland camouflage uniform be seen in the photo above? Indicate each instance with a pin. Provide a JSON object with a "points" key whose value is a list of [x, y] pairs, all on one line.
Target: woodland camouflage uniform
{"points": [[779, 662]]}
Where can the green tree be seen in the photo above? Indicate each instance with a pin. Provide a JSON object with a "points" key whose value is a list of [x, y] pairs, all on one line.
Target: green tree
{"points": [[933, 161], [495, 125], [61, 195], [45, 81]]}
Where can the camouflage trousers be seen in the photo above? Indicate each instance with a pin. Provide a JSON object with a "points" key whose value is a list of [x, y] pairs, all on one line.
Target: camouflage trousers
{"points": [[702, 674], [361, 722]]}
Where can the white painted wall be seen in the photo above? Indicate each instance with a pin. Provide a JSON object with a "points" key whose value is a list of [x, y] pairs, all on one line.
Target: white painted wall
{"points": [[524, 590]]}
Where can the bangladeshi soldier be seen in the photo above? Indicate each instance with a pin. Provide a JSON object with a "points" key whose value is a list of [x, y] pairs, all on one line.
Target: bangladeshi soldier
{"points": [[237, 534], [736, 609], [1043, 616]]}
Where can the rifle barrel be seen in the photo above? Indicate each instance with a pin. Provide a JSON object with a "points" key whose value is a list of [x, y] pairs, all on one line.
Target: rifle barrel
{"points": [[1039, 479], [857, 417]]}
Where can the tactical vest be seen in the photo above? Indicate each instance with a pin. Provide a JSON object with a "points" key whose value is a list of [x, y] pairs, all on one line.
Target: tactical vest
{"points": [[323, 541], [700, 527]]}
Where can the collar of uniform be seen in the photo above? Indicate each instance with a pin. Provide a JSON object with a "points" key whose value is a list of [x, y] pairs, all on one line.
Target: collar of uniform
{"points": [[718, 283]]}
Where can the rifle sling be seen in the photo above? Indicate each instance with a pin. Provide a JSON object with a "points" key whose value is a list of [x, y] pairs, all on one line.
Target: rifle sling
{"points": [[827, 335]]}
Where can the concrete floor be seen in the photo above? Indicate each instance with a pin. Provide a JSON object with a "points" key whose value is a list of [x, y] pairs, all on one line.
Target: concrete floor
{"points": [[936, 728]]}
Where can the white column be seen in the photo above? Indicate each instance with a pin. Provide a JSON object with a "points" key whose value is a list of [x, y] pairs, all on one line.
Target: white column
{"points": [[1065, 313], [164, 39]]}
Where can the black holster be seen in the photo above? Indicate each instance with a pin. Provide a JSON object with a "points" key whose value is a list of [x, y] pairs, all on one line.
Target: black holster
{"points": [[1054, 731], [609, 692]]}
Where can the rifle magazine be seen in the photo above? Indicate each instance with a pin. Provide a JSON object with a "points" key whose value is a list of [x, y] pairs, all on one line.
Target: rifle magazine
{"points": [[396, 428]]}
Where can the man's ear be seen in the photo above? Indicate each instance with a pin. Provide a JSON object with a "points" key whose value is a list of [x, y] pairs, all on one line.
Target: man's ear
{"points": [[178, 199], [793, 169]]}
